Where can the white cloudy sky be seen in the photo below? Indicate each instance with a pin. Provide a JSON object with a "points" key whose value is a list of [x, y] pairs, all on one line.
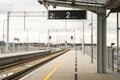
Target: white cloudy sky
{"points": [[40, 25]]}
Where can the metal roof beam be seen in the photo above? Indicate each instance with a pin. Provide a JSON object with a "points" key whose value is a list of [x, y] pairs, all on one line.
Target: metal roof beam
{"points": [[93, 8], [112, 4]]}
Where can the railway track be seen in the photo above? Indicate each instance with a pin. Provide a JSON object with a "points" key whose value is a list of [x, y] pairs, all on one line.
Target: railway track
{"points": [[21, 68]]}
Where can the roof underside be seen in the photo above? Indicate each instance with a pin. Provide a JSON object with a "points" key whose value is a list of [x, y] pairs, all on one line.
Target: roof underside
{"points": [[108, 4], [112, 4], [88, 2], [91, 1]]}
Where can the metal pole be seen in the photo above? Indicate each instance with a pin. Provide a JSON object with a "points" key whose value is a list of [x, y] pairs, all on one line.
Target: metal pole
{"points": [[91, 38], [7, 45], [27, 41], [65, 24], [48, 40], [117, 41], [74, 38], [27, 44], [83, 40], [24, 21], [18, 44], [3, 37], [57, 41], [66, 34], [39, 41], [13, 45]]}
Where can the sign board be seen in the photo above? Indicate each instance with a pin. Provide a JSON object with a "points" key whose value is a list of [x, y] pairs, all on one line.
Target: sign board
{"points": [[67, 14], [17, 39]]}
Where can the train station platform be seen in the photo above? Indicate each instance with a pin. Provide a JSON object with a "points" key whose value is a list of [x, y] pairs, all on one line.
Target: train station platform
{"points": [[72, 65], [2, 55]]}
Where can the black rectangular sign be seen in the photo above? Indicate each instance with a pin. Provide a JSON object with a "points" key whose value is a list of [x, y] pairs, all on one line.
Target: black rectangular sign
{"points": [[67, 14]]}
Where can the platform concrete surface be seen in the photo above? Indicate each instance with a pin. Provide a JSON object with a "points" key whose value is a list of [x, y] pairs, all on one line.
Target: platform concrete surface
{"points": [[19, 53], [72, 65]]}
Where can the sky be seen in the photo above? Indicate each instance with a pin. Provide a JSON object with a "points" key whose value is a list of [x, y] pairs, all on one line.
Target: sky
{"points": [[37, 27]]}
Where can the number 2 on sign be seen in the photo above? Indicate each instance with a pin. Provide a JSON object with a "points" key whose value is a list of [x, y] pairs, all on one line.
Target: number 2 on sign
{"points": [[67, 14], [51, 15]]}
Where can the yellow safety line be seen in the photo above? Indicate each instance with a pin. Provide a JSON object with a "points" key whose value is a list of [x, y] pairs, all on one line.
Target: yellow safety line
{"points": [[57, 66]]}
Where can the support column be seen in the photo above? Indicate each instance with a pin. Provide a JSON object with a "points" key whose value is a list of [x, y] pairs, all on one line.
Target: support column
{"points": [[101, 42], [83, 42], [7, 44], [48, 45]]}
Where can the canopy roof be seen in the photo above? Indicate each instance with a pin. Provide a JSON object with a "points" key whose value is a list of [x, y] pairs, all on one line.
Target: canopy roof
{"points": [[113, 5]]}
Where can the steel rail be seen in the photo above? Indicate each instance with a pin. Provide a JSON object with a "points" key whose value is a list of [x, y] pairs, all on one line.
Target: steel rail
{"points": [[22, 73]]}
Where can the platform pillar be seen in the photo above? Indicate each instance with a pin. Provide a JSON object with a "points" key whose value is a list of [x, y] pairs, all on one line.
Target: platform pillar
{"points": [[101, 42]]}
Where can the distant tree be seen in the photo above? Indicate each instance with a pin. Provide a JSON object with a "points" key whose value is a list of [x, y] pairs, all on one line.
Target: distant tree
{"points": [[2, 43]]}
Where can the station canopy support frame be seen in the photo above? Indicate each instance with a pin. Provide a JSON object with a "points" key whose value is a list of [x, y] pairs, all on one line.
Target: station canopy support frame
{"points": [[100, 10], [60, 30], [23, 14]]}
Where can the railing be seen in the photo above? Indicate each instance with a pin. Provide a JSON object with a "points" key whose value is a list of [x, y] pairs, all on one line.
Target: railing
{"points": [[112, 61], [88, 51]]}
